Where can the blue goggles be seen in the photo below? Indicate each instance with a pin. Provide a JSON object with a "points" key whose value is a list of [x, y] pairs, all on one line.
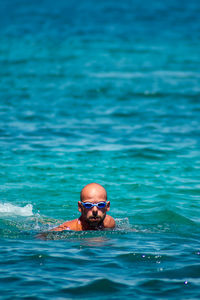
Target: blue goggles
{"points": [[89, 205]]}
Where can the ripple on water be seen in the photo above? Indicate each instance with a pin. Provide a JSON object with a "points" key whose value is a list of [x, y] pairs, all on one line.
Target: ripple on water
{"points": [[95, 287]]}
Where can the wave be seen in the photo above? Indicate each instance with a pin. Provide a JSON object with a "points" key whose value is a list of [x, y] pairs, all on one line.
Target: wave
{"points": [[161, 216], [98, 286], [10, 209], [21, 222]]}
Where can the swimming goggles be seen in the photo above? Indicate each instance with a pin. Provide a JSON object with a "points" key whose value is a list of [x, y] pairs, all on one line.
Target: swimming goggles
{"points": [[89, 205]]}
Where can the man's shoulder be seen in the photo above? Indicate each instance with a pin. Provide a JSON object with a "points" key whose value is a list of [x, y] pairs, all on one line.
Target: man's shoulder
{"points": [[109, 222], [68, 225]]}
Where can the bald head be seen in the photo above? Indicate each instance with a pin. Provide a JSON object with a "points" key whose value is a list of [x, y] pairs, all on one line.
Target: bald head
{"points": [[93, 190]]}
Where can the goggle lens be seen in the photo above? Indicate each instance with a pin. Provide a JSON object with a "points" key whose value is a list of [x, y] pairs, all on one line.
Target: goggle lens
{"points": [[101, 204], [87, 205]]}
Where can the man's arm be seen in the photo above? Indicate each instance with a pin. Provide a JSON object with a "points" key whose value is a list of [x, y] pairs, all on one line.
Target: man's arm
{"points": [[69, 225]]}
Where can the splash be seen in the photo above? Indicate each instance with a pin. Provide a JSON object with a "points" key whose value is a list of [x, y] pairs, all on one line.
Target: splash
{"points": [[10, 209]]}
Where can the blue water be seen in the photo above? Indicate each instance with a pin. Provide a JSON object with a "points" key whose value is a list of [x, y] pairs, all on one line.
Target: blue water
{"points": [[107, 92]]}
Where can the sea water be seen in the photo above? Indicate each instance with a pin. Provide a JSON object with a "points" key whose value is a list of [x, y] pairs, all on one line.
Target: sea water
{"points": [[109, 92]]}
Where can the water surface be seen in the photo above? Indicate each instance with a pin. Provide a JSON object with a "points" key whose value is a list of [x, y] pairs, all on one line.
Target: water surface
{"points": [[100, 92]]}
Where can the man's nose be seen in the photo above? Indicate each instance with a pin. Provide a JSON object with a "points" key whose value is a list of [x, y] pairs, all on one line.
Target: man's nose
{"points": [[94, 211]]}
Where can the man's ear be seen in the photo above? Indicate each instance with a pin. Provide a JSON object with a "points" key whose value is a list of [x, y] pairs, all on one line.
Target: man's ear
{"points": [[108, 206], [79, 206]]}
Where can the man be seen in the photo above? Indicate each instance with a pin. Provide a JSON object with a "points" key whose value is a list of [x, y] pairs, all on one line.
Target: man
{"points": [[93, 208]]}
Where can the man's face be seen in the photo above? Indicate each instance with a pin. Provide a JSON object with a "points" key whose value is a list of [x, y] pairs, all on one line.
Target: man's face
{"points": [[93, 216]]}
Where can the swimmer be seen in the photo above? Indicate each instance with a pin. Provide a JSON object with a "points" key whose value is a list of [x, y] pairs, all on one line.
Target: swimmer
{"points": [[93, 206]]}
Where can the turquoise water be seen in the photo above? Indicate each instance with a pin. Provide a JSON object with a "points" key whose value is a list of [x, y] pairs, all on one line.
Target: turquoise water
{"points": [[99, 91]]}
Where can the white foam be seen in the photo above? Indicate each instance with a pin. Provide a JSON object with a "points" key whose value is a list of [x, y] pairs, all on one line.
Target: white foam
{"points": [[7, 208]]}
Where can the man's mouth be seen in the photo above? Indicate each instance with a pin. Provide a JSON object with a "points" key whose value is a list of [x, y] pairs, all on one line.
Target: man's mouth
{"points": [[94, 218]]}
